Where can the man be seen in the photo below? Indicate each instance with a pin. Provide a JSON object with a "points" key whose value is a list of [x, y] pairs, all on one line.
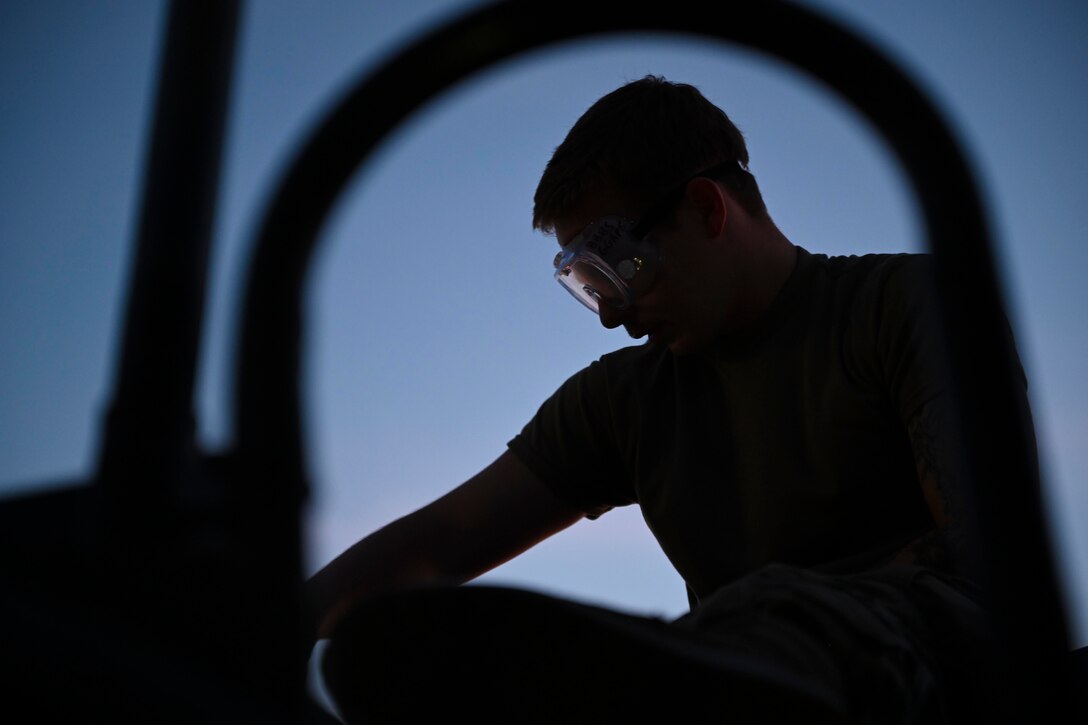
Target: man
{"points": [[786, 430]]}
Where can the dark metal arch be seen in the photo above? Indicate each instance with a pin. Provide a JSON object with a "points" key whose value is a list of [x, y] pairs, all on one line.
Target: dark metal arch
{"points": [[1018, 569]]}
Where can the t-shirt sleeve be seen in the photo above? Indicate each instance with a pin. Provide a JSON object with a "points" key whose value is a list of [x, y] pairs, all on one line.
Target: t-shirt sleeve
{"points": [[909, 335], [908, 326], [571, 444]]}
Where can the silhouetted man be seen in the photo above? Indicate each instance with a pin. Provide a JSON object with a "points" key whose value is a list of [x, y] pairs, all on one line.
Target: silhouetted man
{"points": [[786, 429]]}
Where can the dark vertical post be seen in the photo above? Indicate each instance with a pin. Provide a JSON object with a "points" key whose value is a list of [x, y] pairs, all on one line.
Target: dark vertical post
{"points": [[191, 568], [148, 441]]}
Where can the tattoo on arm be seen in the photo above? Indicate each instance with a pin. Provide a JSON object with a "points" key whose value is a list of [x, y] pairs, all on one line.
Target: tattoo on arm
{"points": [[940, 477], [929, 460]]}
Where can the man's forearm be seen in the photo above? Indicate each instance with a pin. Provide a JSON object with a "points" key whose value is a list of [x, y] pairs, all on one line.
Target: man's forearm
{"points": [[394, 557], [494, 516]]}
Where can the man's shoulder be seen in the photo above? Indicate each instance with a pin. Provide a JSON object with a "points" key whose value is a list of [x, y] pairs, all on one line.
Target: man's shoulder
{"points": [[876, 275], [883, 264], [634, 371], [634, 362]]}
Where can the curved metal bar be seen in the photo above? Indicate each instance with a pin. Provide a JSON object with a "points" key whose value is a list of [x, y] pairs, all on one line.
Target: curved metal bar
{"points": [[998, 440]]}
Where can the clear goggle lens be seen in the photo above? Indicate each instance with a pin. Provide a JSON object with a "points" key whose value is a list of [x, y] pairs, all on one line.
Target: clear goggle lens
{"points": [[592, 282], [609, 263]]}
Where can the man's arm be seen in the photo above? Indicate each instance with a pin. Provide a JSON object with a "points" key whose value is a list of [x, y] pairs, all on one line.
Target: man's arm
{"points": [[940, 475], [913, 358], [494, 516]]}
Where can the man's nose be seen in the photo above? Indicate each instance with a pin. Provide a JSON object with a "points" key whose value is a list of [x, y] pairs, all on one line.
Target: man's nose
{"points": [[611, 316]]}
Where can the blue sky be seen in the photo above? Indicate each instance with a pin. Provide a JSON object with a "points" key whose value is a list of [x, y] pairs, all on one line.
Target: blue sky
{"points": [[434, 327]]}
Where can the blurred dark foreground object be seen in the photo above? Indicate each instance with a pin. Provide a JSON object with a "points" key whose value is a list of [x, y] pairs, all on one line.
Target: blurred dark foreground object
{"points": [[892, 645]]}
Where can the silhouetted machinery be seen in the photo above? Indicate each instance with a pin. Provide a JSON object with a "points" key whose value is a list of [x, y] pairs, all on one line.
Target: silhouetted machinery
{"points": [[165, 587]]}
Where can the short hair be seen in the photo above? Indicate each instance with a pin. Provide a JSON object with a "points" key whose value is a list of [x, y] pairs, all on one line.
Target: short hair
{"points": [[644, 139]]}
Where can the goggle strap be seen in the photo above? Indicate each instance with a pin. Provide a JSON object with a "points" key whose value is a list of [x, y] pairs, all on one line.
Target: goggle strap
{"points": [[653, 217]]}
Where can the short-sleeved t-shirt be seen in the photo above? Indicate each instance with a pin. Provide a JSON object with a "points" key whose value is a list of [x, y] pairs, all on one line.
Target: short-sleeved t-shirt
{"points": [[786, 442]]}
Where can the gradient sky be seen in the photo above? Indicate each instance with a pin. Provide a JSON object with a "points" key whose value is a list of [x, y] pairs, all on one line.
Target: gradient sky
{"points": [[434, 327]]}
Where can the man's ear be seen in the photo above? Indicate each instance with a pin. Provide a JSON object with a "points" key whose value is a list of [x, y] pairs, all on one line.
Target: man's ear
{"points": [[708, 200]]}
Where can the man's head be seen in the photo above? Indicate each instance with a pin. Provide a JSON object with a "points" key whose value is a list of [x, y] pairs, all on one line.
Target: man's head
{"points": [[638, 195], [642, 141]]}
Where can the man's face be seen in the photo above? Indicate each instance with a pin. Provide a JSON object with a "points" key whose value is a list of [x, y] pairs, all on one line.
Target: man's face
{"points": [[686, 304]]}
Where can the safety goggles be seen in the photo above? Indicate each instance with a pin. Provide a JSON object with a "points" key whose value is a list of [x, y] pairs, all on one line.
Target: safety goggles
{"points": [[611, 261]]}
